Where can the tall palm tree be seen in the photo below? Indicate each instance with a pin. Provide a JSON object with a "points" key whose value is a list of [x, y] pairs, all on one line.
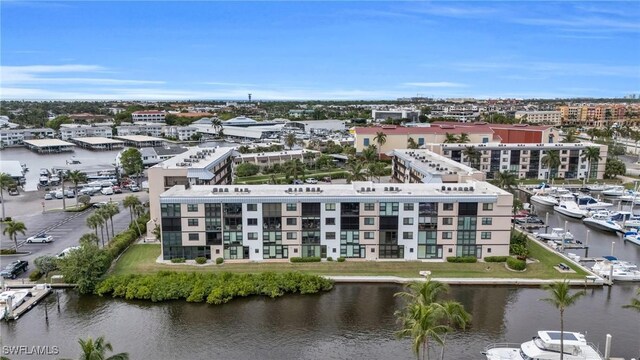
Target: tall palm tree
{"points": [[112, 209], [464, 138], [421, 323], [76, 177], [130, 203], [412, 144], [12, 228], [635, 136], [216, 123], [290, 140], [571, 136], [97, 350], [294, 168], [561, 298], [455, 316], [552, 161], [635, 303], [506, 180], [94, 221], [380, 139], [370, 154], [450, 138], [89, 238], [591, 154], [473, 155], [376, 170], [5, 182], [356, 172], [104, 214], [593, 133]]}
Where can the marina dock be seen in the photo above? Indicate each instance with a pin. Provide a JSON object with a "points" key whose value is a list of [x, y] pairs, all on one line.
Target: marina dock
{"points": [[38, 293], [48, 146]]}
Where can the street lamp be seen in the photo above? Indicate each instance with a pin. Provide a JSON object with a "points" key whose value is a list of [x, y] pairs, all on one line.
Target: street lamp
{"points": [[613, 243]]}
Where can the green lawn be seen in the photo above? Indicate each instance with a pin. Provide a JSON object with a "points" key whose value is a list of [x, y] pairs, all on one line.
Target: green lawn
{"points": [[256, 179], [140, 259]]}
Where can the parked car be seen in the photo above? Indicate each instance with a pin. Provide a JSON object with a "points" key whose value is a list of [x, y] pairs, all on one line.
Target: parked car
{"points": [[529, 220], [48, 196], [14, 269], [107, 191], [134, 188], [326, 179], [13, 191], [70, 193], [116, 189], [66, 251], [297, 182], [41, 238], [59, 195], [311, 181], [564, 267], [100, 204]]}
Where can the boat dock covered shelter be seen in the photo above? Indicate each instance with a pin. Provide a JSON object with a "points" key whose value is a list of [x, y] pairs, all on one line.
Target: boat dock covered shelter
{"points": [[13, 169], [98, 143], [48, 146], [140, 141]]}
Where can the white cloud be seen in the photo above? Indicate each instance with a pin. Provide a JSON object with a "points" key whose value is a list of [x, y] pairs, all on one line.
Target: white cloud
{"points": [[227, 83], [40, 74], [440, 84], [550, 68]]}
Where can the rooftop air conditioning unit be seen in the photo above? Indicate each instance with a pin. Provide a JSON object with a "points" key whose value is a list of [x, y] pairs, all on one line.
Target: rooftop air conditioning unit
{"points": [[443, 188], [215, 190], [246, 189], [226, 190], [386, 188], [471, 188], [289, 190]]}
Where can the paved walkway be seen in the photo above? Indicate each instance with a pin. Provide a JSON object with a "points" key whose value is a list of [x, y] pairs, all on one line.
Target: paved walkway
{"points": [[458, 281]]}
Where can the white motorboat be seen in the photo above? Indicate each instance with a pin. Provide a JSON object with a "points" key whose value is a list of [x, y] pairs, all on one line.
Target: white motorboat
{"points": [[596, 187], [629, 196], [632, 237], [626, 219], [615, 190], [546, 346], [10, 300], [601, 221], [44, 172], [570, 208], [617, 270], [589, 203], [545, 200], [556, 234]]}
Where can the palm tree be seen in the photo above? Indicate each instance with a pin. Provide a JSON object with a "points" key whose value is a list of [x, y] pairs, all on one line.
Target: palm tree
{"points": [[216, 123], [76, 177], [356, 172], [506, 180], [5, 182], [561, 299], [97, 350], [12, 228], [290, 140], [464, 138], [635, 303], [593, 133], [455, 317], [89, 238], [104, 214], [421, 323], [635, 135], [370, 154], [380, 139], [450, 138], [473, 155], [552, 161], [412, 144], [64, 196], [591, 154], [571, 136], [112, 209], [130, 203], [95, 221], [376, 170], [294, 168]]}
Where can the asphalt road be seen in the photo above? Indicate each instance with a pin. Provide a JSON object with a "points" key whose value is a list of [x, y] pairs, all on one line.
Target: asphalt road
{"points": [[65, 227]]}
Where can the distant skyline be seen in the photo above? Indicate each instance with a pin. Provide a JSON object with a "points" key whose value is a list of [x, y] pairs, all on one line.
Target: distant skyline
{"points": [[317, 50]]}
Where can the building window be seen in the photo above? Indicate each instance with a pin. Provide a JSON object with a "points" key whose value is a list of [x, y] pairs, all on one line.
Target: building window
{"points": [[485, 235], [447, 207], [408, 206], [252, 207], [291, 236], [295, 250], [292, 207], [330, 235], [252, 236], [446, 235], [369, 221], [373, 250], [369, 206], [369, 235], [252, 221], [366, 141], [257, 251], [487, 206], [330, 206], [489, 250], [292, 221], [192, 222], [194, 236], [333, 250], [330, 221], [192, 207], [407, 221], [407, 235], [420, 141], [487, 221], [447, 221]]}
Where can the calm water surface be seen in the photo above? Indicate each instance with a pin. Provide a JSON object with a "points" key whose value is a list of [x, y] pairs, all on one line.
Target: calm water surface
{"points": [[349, 322]]}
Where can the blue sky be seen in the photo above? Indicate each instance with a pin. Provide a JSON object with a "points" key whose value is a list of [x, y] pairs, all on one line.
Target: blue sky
{"points": [[314, 50]]}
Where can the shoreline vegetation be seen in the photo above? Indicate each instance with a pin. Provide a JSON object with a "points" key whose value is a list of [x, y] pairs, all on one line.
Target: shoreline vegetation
{"points": [[214, 288], [141, 259]]}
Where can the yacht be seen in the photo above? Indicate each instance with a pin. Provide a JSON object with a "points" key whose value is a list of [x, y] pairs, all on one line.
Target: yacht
{"points": [[17, 298], [626, 219], [44, 172], [567, 206], [596, 187], [632, 237], [629, 196], [44, 180], [546, 200], [616, 190], [617, 270], [556, 234], [601, 221], [546, 346], [589, 203]]}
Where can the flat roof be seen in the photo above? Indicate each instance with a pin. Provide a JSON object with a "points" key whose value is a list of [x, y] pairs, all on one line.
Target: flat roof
{"points": [[138, 138], [472, 191], [11, 167], [527, 146], [278, 153], [47, 142], [196, 158], [97, 140], [429, 162]]}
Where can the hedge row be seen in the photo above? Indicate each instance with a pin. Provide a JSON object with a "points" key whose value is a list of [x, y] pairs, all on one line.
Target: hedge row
{"points": [[516, 264], [122, 240], [462, 259], [495, 258], [214, 288], [305, 259]]}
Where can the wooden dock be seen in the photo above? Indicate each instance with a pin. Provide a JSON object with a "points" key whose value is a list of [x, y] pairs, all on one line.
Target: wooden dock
{"points": [[38, 293]]}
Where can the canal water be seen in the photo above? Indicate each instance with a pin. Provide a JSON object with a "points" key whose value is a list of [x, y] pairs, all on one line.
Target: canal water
{"points": [[349, 322]]}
